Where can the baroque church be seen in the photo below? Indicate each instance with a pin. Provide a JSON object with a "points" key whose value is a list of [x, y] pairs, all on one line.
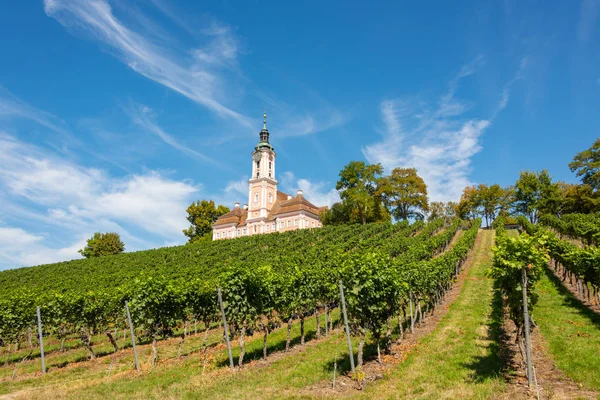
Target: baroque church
{"points": [[268, 210]]}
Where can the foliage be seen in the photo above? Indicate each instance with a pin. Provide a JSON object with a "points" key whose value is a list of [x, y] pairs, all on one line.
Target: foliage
{"points": [[202, 215], [103, 244], [512, 255], [358, 189], [404, 193], [586, 164], [535, 193]]}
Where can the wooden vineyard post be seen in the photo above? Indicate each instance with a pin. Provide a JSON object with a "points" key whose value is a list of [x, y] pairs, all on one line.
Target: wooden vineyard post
{"points": [[527, 338], [225, 327], [412, 317], [346, 325], [135, 355], [39, 320]]}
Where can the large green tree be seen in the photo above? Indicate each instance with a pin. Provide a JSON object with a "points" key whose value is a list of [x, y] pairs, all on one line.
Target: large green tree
{"points": [[358, 190], [404, 193], [202, 215], [103, 244], [536, 193], [586, 164]]}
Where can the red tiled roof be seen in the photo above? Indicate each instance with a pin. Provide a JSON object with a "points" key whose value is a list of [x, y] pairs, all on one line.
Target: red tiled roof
{"points": [[282, 205], [237, 216]]}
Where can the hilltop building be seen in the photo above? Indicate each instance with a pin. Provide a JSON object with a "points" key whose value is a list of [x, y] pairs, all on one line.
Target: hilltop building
{"points": [[268, 210]]}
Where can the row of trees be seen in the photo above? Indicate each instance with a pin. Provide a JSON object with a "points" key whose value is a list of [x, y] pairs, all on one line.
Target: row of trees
{"points": [[535, 193], [369, 196]]}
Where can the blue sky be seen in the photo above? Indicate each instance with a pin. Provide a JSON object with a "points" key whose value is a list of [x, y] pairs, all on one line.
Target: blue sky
{"points": [[114, 116]]}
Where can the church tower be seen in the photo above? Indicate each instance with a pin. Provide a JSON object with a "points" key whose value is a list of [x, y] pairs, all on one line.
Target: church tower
{"points": [[263, 185]]}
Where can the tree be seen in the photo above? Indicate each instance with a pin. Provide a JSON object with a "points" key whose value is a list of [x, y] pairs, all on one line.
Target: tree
{"points": [[578, 199], [468, 207], [490, 199], [202, 215], [437, 209], [535, 193], [358, 190], [404, 193], [586, 164], [339, 213], [103, 244]]}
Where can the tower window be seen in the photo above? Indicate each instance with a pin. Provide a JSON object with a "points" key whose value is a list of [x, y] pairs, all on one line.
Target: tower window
{"points": [[255, 197], [270, 197], [270, 164]]}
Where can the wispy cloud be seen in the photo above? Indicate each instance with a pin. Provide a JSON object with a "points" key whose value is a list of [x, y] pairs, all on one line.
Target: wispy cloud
{"points": [[587, 20], [193, 74], [12, 107], [143, 116], [438, 141], [318, 193]]}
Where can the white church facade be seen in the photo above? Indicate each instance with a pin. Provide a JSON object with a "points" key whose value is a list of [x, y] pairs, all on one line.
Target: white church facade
{"points": [[268, 210]]}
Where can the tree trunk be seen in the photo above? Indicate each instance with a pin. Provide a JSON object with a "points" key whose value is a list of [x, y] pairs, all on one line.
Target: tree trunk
{"points": [[361, 345], [29, 338], [242, 345], [180, 345], [86, 339], [154, 350], [62, 335], [388, 336], [330, 319], [318, 322], [378, 351], [266, 334], [289, 334], [112, 341], [326, 320], [302, 328], [204, 347]]}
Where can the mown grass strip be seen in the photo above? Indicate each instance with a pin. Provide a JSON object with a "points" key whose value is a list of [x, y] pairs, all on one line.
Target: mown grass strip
{"points": [[571, 331], [459, 359]]}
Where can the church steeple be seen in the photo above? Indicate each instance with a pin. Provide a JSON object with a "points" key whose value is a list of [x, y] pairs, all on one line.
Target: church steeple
{"points": [[264, 133]]}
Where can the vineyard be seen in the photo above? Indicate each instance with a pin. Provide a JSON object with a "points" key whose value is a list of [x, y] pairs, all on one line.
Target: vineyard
{"points": [[267, 281]]}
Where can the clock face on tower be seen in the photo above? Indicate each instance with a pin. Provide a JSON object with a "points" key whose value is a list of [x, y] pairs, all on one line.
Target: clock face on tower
{"points": [[257, 156]]}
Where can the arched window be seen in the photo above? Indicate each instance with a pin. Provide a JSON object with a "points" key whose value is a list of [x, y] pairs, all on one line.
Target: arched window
{"points": [[256, 197], [270, 198]]}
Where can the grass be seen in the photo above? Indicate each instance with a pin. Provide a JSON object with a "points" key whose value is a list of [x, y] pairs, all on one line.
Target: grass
{"points": [[570, 330], [459, 359]]}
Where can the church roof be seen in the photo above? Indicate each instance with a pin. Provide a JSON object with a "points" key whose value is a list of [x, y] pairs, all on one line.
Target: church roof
{"points": [[237, 216], [282, 205]]}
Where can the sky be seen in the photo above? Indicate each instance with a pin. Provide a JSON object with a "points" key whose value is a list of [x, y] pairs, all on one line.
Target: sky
{"points": [[115, 116]]}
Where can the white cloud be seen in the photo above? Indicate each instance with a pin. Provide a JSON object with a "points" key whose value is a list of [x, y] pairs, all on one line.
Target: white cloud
{"points": [[437, 142], [142, 116], [193, 74], [318, 193], [82, 200], [12, 107], [21, 248]]}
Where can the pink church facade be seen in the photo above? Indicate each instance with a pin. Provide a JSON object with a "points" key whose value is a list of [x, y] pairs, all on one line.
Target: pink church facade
{"points": [[268, 210]]}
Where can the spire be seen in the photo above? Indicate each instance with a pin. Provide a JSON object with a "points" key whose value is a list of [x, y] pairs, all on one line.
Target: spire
{"points": [[264, 133], [265, 119]]}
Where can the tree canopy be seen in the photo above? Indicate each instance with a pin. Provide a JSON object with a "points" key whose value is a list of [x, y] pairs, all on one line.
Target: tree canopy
{"points": [[358, 190], [103, 244], [404, 193], [586, 164], [202, 215]]}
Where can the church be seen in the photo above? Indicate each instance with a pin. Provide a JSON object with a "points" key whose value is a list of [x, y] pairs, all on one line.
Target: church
{"points": [[268, 210]]}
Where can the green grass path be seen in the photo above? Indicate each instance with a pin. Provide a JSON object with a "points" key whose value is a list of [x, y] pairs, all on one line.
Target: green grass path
{"points": [[459, 358], [571, 331]]}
